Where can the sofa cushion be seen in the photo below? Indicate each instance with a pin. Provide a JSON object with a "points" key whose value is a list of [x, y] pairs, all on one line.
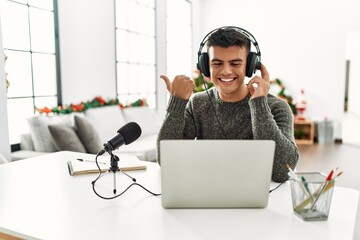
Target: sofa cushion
{"points": [[65, 138], [147, 118], [88, 135], [144, 148], [26, 142], [106, 120], [39, 131]]}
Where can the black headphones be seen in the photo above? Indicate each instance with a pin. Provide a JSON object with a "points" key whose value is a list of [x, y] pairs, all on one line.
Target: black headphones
{"points": [[253, 60]]}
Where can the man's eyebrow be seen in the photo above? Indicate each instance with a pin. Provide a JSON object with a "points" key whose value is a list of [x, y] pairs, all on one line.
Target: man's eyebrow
{"points": [[236, 60], [231, 61], [216, 60]]}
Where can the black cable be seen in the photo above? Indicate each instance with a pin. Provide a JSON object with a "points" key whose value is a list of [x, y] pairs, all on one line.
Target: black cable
{"points": [[213, 108], [277, 186], [118, 195], [133, 184]]}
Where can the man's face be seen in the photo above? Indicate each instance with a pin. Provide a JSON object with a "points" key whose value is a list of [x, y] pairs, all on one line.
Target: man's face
{"points": [[227, 71]]}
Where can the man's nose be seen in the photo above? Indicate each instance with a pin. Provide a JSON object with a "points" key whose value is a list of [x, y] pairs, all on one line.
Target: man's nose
{"points": [[227, 69]]}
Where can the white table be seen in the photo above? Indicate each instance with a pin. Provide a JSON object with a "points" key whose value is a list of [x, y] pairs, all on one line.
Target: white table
{"points": [[40, 200]]}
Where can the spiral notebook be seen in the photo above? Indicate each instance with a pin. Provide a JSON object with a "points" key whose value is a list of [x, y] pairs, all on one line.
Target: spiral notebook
{"points": [[216, 173]]}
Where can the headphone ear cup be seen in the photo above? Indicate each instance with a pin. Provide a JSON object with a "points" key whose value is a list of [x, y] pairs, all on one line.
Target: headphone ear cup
{"points": [[203, 64], [252, 64]]}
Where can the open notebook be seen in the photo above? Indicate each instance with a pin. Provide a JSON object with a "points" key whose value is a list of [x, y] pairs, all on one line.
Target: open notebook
{"points": [[84, 166], [216, 173]]}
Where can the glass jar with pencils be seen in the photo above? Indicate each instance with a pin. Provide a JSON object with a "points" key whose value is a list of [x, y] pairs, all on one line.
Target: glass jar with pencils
{"points": [[312, 193]]}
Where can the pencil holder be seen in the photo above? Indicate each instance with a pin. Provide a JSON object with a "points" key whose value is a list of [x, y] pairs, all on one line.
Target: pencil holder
{"points": [[311, 195]]}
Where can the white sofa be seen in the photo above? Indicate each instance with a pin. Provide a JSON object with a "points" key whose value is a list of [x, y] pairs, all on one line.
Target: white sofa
{"points": [[102, 123]]}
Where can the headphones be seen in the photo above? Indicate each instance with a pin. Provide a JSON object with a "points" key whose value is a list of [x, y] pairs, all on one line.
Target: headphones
{"points": [[253, 60]]}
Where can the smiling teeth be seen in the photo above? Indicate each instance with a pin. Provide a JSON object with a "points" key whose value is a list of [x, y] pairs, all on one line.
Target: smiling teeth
{"points": [[227, 80]]}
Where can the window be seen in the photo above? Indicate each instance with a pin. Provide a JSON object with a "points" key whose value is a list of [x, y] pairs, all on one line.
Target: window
{"points": [[178, 38], [136, 41], [135, 50], [29, 44]]}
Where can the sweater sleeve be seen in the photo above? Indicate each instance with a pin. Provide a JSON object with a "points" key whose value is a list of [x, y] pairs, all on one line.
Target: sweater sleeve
{"points": [[174, 125], [272, 119]]}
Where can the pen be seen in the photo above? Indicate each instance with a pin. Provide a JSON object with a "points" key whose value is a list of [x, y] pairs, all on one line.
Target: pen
{"points": [[84, 160], [303, 184], [325, 184], [306, 185], [291, 172], [329, 177]]}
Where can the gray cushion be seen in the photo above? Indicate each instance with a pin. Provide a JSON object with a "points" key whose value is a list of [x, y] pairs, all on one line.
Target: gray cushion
{"points": [[42, 140], [88, 135], [65, 138], [106, 120]]}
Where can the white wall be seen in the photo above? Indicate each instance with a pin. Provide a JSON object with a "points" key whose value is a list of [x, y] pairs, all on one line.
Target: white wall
{"points": [[87, 49], [302, 43], [4, 131], [353, 54]]}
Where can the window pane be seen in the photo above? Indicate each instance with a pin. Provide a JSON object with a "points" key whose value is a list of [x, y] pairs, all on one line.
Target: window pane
{"points": [[44, 74], [18, 111], [50, 102], [44, 4], [15, 26], [148, 3], [178, 31], [122, 78], [134, 48], [178, 38], [179, 58], [147, 79], [133, 8], [18, 68], [147, 27], [42, 31], [122, 45], [122, 14], [20, 1], [180, 9], [133, 78], [148, 50]]}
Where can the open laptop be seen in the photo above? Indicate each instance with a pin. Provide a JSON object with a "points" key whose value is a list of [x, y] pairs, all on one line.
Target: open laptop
{"points": [[216, 173]]}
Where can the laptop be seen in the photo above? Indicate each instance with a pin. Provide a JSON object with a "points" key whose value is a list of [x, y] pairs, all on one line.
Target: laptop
{"points": [[216, 173]]}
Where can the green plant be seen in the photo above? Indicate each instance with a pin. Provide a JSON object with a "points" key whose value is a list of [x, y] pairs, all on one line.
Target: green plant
{"points": [[281, 94], [200, 81]]}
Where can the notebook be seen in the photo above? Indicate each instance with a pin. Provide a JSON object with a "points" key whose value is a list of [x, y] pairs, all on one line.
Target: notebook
{"points": [[80, 166], [216, 173]]}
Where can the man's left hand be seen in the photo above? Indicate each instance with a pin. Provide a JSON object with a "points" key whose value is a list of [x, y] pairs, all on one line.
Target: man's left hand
{"points": [[260, 86]]}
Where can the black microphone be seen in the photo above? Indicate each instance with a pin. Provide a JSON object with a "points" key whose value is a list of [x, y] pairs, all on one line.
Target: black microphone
{"points": [[126, 135]]}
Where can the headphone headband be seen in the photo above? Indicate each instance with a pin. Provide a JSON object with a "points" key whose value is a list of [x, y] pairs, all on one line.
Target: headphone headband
{"points": [[246, 33]]}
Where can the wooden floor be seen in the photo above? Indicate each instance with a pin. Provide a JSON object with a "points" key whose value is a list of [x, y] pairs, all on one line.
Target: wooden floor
{"points": [[325, 157]]}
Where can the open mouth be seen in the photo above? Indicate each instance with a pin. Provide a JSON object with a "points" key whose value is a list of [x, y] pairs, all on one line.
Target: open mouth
{"points": [[226, 80]]}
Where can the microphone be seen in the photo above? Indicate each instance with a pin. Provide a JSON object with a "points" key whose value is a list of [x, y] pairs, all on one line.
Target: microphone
{"points": [[126, 135]]}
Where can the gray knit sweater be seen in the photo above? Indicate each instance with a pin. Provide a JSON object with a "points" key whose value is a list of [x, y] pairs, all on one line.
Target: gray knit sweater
{"points": [[259, 118]]}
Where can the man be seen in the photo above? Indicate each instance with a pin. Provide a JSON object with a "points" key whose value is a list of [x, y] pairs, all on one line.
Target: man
{"points": [[232, 109]]}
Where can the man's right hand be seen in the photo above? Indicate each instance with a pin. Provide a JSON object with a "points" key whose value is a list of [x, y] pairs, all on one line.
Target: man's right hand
{"points": [[181, 87]]}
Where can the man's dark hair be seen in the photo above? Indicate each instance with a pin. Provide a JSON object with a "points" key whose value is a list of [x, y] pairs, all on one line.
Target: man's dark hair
{"points": [[226, 37]]}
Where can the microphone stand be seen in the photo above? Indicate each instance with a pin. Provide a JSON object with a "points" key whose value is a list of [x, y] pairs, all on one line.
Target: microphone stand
{"points": [[114, 160]]}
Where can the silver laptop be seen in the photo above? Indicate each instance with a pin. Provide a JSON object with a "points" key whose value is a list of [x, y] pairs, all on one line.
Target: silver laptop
{"points": [[216, 173]]}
